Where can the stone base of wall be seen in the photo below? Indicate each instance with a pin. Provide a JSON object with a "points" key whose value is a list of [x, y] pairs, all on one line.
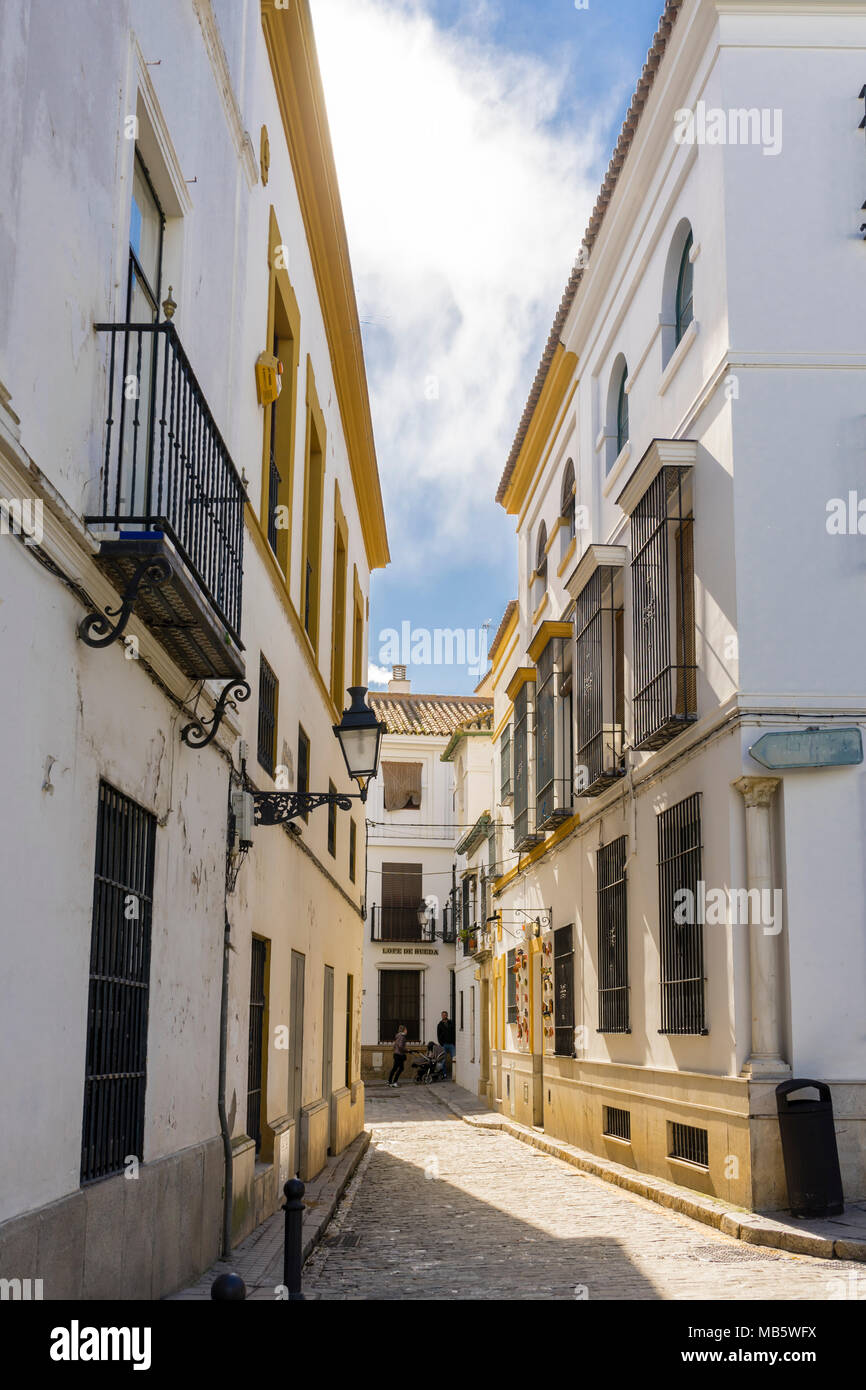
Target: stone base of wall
{"points": [[124, 1238], [376, 1063], [745, 1164]]}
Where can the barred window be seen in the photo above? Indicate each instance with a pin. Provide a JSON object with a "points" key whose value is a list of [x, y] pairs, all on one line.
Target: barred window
{"points": [[681, 939], [303, 765], [563, 991], [613, 1010], [599, 681], [665, 672], [553, 736], [332, 821], [267, 747], [511, 986], [506, 790], [115, 1072], [524, 766], [255, 1055]]}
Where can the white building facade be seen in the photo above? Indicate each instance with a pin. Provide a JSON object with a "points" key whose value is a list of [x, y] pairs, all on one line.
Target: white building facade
{"points": [[682, 924], [413, 825], [190, 502]]}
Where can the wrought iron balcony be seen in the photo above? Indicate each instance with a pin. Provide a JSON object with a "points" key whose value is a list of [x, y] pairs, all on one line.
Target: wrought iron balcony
{"points": [[171, 496], [400, 924]]}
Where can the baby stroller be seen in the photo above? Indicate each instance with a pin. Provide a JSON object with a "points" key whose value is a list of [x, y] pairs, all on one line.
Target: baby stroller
{"points": [[431, 1069]]}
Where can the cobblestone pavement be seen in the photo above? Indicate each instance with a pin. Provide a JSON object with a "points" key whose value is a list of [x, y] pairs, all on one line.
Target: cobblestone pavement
{"points": [[441, 1210]]}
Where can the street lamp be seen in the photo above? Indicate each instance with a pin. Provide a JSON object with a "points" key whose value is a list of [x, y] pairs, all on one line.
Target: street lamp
{"points": [[359, 735]]}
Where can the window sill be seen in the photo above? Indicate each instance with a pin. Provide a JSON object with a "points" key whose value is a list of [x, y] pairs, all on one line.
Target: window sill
{"points": [[567, 557], [680, 352], [617, 467]]}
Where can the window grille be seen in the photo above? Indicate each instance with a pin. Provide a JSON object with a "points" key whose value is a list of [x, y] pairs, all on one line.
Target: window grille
{"points": [[511, 986], [506, 789], [353, 850], [617, 1123], [553, 734], [118, 994], [400, 1002], [267, 717], [256, 1042], [665, 672], [567, 504], [681, 942], [524, 767], [563, 991], [685, 290], [599, 681], [613, 997], [332, 821], [303, 765], [690, 1144]]}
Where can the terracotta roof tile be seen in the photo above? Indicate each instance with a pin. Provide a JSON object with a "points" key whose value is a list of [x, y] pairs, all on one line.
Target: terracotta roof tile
{"points": [[500, 631], [623, 144], [438, 715]]}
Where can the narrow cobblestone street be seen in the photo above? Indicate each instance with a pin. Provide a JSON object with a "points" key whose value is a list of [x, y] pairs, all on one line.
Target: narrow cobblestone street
{"points": [[441, 1210]]}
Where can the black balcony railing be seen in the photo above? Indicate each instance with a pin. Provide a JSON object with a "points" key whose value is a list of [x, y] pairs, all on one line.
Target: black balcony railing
{"points": [[400, 924], [449, 927], [167, 471]]}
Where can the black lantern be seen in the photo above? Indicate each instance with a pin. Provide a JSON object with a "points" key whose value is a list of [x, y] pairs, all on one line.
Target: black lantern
{"points": [[360, 736]]}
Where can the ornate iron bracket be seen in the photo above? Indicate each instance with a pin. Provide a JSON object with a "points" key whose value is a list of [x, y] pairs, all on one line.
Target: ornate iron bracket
{"points": [[272, 808], [200, 732], [95, 629]]}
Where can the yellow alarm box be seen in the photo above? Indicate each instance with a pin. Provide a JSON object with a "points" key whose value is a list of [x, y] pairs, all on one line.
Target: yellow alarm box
{"points": [[269, 370]]}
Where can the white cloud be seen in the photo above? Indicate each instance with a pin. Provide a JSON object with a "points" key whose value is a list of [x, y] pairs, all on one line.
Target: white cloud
{"points": [[377, 675], [465, 204]]}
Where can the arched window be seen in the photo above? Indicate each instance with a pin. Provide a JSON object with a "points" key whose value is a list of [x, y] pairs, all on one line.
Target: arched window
{"points": [[677, 290], [541, 559], [567, 502], [685, 282], [622, 412]]}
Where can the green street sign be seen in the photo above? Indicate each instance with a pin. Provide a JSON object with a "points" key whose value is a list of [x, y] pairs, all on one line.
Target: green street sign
{"points": [[810, 747]]}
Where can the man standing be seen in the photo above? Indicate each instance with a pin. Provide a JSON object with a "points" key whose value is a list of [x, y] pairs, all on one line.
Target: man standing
{"points": [[445, 1034]]}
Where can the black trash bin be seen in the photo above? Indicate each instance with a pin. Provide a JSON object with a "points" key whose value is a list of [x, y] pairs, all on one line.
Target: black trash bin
{"points": [[809, 1150]]}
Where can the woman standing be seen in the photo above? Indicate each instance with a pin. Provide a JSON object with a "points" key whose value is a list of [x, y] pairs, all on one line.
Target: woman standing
{"points": [[400, 1042]]}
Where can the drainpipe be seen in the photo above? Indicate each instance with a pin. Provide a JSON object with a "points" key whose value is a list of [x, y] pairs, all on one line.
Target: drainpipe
{"points": [[224, 1124]]}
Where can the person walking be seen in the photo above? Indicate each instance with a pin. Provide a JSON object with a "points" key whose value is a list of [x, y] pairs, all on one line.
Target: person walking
{"points": [[400, 1043], [446, 1036]]}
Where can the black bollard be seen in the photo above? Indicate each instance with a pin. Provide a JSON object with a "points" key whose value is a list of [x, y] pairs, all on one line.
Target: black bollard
{"points": [[228, 1288], [294, 1239]]}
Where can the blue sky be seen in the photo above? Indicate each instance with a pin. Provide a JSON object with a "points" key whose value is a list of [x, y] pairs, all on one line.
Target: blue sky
{"points": [[470, 137]]}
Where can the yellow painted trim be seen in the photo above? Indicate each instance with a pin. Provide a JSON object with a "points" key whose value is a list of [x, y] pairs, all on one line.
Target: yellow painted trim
{"points": [[522, 676], [546, 410], [539, 472], [506, 719], [357, 647], [338, 638], [545, 634], [269, 560], [566, 559], [280, 284], [560, 521], [288, 32], [540, 609], [315, 421], [512, 624], [564, 828], [497, 672]]}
